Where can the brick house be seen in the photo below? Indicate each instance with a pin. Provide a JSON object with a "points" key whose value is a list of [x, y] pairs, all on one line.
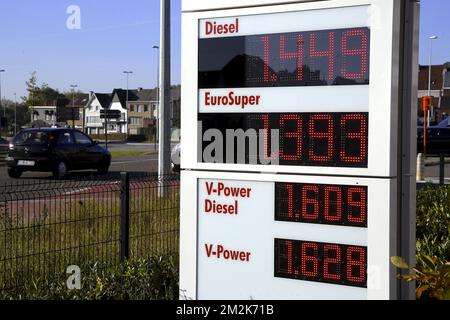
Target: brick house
{"points": [[440, 89]]}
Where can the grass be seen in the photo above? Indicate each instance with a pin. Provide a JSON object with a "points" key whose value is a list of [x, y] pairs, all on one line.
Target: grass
{"points": [[124, 153], [46, 236]]}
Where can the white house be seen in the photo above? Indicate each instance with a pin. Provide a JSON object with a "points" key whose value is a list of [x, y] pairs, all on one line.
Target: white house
{"points": [[119, 102], [93, 123]]}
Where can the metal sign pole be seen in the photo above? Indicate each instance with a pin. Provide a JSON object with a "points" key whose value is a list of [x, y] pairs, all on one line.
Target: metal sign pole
{"points": [[164, 121]]}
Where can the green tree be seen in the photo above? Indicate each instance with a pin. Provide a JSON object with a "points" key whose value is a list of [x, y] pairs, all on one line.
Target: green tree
{"points": [[34, 97]]}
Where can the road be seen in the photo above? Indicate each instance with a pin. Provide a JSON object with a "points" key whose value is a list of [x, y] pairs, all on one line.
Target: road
{"points": [[143, 163]]}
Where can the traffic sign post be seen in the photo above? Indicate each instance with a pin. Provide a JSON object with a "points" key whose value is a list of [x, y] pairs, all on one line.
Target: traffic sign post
{"points": [[109, 114], [303, 143]]}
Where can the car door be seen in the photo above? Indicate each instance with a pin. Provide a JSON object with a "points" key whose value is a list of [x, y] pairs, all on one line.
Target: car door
{"points": [[66, 149], [89, 155]]}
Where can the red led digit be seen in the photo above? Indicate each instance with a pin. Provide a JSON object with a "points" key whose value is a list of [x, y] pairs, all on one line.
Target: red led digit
{"points": [[310, 262], [321, 135], [289, 256], [291, 212], [358, 137], [310, 194], [293, 55], [266, 128], [356, 264], [266, 57], [332, 257], [335, 216], [313, 52], [359, 204], [295, 135], [362, 52]]}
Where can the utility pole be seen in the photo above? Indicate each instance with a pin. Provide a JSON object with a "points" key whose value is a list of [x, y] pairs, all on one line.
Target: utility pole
{"points": [[4, 108], [157, 93], [164, 110], [73, 86], [15, 114], [126, 104]]}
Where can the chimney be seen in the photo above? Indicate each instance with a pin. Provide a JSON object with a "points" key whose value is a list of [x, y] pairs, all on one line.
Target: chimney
{"points": [[91, 93], [140, 89]]}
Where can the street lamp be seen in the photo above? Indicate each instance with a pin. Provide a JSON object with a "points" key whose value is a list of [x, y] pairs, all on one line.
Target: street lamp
{"points": [[4, 109], [429, 75], [73, 86], [128, 74], [157, 92], [15, 114]]}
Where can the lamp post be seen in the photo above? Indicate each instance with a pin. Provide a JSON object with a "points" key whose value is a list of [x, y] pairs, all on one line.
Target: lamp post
{"points": [[4, 109], [128, 74], [73, 86], [15, 114], [429, 76], [157, 92]]}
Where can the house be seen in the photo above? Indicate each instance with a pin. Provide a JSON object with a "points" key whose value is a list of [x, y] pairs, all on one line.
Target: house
{"points": [[93, 123], [75, 111], [52, 114], [138, 109], [43, 116], [142, 105], [440, 89]]}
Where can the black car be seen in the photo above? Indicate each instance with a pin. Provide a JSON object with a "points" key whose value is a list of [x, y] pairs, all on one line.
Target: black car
{"points": [[438, 138], [55, 150], [4, 144]]}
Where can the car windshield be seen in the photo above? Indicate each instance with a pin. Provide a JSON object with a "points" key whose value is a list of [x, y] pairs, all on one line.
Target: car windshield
{"points": [[31, 138], [445, 122]]}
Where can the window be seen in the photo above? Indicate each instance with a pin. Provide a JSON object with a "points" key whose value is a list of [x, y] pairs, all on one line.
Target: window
{"points": [[139, 108], [131, 108], [134, 120], [65, 139], [82, 139], [93, 119], [31, 138], [145, 107]]}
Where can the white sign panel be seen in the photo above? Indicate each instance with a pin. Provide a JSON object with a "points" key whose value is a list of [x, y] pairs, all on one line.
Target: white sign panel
{"points": [[320, 59], [246, 224]]}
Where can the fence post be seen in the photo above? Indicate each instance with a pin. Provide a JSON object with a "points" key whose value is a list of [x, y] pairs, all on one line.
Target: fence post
{"points": [[442, 169], [124, 216]]}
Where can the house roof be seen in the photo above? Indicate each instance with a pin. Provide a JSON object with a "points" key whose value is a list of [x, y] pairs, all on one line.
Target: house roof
{"points": [[104, 99]]}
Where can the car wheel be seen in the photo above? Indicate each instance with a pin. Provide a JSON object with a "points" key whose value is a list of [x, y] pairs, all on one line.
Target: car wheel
{"points": [[103, 167], [14, 173], [60, 170]]}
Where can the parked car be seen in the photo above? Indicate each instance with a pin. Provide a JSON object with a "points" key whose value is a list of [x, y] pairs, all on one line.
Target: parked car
{"points": [[4, 145], [55, 150], [438, 138]]}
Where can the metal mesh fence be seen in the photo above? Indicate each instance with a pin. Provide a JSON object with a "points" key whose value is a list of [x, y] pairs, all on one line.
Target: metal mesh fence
{"points": [[46, 226]]}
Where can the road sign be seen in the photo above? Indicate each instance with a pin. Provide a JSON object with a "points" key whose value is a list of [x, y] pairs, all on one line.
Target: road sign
{"points": [[309, 94], [110, 114]]}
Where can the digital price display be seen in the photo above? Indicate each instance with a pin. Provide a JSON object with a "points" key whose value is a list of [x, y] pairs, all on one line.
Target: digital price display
{"points": [[308, 139], [321, 204], [322, 262], [314, 58]]}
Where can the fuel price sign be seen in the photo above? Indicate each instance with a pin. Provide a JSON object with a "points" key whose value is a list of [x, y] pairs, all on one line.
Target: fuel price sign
{"points": [[294, 148]]}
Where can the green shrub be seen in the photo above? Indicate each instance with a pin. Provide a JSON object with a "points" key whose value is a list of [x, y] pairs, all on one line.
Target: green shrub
{"points": [[432, 276], [433, 221], [155, 278]]}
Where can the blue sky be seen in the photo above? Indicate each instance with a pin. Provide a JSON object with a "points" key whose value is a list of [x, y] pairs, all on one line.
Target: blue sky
{"points": [[119, 35]]}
